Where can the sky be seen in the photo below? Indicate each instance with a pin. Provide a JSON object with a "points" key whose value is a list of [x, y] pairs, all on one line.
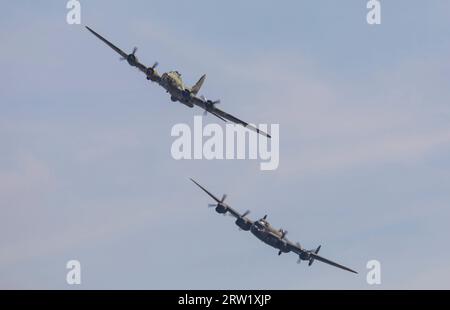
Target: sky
{"points": [[86, 171]]}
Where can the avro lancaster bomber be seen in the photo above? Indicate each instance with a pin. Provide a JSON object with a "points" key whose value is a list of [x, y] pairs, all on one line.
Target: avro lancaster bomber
{"points": [[262, 230]]}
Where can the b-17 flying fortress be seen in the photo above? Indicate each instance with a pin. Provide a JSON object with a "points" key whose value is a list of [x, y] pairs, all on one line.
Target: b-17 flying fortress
{"points": [[179, 92]]}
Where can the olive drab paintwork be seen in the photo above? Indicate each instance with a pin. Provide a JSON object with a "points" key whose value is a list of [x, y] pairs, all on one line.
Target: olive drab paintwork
{"points": [[173, 84]]}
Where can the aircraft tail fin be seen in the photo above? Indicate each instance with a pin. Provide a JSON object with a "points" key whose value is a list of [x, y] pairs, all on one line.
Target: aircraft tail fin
{"points": [[196, 88]]}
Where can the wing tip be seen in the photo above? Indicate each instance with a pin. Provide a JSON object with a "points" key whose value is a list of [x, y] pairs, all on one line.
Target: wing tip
{"points": [[255, 128], [91, 31]]}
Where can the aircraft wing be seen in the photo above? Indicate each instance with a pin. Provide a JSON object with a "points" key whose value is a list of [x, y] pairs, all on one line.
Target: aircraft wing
{"points": [[141, 67], [233, 212], [138, 65], [206, 191], [118, 50], [202, 103], [225, 116], [329, 262], [296, 248], [237, 215]]}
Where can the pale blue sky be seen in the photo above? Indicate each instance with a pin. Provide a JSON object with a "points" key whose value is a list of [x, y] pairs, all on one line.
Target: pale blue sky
{"points": [[85, 165]]}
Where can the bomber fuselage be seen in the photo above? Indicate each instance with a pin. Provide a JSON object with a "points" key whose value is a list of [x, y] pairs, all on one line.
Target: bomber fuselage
{"points": [[263, 231], [173, 84]]}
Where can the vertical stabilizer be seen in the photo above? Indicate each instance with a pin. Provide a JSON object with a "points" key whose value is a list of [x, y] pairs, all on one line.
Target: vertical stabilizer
{"points": [[195, 89]]}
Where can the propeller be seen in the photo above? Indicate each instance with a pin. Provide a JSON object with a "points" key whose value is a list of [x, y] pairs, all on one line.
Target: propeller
{"points": [[152, 68], [132, 53], [246, 213], [241, 220], [243, 214], [151, 71], [220, 203], [211, 205], [311, 259], [209, 104], [299, 260], [283, 233]]}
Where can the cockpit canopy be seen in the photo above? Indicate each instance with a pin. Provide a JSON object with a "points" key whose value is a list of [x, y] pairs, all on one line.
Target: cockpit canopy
{"points": [[173, 78], [178, 74], [261, 223]]}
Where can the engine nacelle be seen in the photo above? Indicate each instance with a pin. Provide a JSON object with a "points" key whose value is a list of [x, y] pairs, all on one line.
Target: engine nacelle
{"points": [[151, 74], [243, 224], [132, 60], [221, 209], [187, 96], [173, 98], [304, 256]]}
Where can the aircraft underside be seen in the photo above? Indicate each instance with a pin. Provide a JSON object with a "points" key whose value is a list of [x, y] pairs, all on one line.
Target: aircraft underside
{"points": [[180, 96], [271, 240]]}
